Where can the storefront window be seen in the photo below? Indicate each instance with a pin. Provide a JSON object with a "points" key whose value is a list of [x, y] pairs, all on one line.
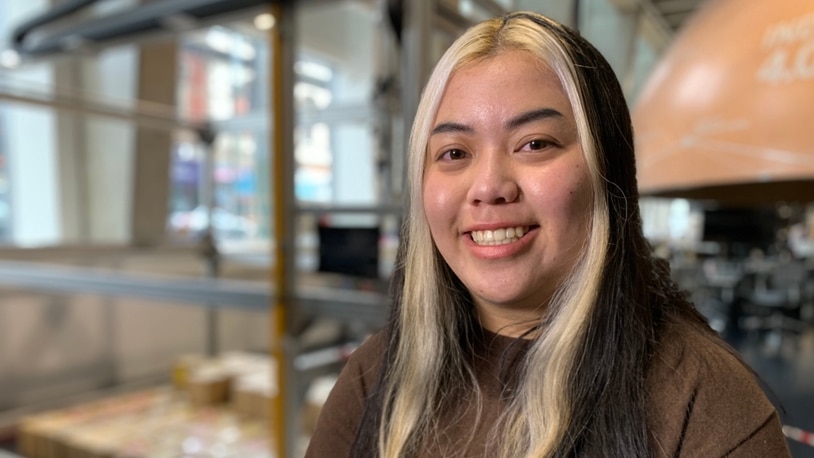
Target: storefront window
{"points": [[223, 82], [313, 93], [11, 13], [5, 207]]}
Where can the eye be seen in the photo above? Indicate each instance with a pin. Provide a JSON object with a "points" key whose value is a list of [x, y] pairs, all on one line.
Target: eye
{"points": [[453, 154], [536, 145]]}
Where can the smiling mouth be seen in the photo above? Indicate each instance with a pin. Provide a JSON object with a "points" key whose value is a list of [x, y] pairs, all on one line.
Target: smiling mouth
{"points": [[502, 236]]}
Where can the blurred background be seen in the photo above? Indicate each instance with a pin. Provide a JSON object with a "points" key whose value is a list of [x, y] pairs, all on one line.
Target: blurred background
{"points": [[200, 200]]}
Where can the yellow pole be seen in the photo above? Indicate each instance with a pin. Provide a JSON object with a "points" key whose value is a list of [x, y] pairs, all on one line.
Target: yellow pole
{"points": [[280, 196]]}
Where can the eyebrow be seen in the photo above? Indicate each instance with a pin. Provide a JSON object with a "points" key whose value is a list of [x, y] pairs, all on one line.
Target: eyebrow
{"points": [[531, 116], [524, 118], [447, 127]]}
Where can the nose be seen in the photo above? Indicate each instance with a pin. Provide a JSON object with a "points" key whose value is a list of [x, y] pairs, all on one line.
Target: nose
{"points": [[493, 180]]}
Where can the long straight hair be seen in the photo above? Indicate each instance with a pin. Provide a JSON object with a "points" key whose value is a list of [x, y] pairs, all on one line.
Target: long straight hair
{"points": [[581, 390]]}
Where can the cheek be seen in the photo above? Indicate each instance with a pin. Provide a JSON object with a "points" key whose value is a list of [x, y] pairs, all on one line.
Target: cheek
{"points": [[571, 205], [579, 200], [439, 202], [579, 208]]}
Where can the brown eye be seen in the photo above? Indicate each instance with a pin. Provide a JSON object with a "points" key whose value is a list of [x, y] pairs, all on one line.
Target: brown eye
{"points": [[453, 155], [537, 144]]}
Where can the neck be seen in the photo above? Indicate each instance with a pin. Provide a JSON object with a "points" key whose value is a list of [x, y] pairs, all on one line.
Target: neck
{"points": [[509, 323]]}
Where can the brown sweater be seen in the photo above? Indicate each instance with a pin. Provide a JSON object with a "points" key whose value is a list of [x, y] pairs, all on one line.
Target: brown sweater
{"points": [[703, 403]]}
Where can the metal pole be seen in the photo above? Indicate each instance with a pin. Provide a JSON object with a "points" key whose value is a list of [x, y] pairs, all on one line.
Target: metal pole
{"points": [[575, 11], [208, 242], [415, 64]]}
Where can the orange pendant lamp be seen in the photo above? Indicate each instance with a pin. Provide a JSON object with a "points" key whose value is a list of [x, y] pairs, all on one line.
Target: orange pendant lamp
{"points": [[728, 113]]}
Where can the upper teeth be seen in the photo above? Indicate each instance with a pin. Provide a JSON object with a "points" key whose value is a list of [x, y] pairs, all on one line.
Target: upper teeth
{"points": [[498, 236]]}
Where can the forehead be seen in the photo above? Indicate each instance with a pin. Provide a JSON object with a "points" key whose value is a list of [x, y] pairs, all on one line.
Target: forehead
{"points": [[503, 84]]}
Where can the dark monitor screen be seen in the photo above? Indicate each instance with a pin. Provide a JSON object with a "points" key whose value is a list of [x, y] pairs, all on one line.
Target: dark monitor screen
{"points": [[752, 227], [351, 251]]}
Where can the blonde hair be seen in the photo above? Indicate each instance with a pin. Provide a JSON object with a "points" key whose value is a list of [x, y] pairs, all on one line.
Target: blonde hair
{"points": [[427, 342]]}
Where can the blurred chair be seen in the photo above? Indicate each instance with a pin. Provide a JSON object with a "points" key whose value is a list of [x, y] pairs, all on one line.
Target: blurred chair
{"points": [[713, 292], [772, 301]]}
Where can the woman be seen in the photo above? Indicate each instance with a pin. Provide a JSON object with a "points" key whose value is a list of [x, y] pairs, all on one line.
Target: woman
{"points": [[530, 319]]}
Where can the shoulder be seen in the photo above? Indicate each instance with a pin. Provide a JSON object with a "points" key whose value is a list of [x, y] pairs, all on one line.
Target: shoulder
{"points": [[365, 362], [688, 359], [703, 400], [342, 413], [361, 372]]}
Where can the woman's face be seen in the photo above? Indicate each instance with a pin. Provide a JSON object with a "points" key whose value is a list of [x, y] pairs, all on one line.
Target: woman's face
{"points": [[506, 187]]}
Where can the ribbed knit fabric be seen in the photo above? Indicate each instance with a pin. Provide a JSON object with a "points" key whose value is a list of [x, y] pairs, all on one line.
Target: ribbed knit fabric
{"points": [[702, 403]]}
